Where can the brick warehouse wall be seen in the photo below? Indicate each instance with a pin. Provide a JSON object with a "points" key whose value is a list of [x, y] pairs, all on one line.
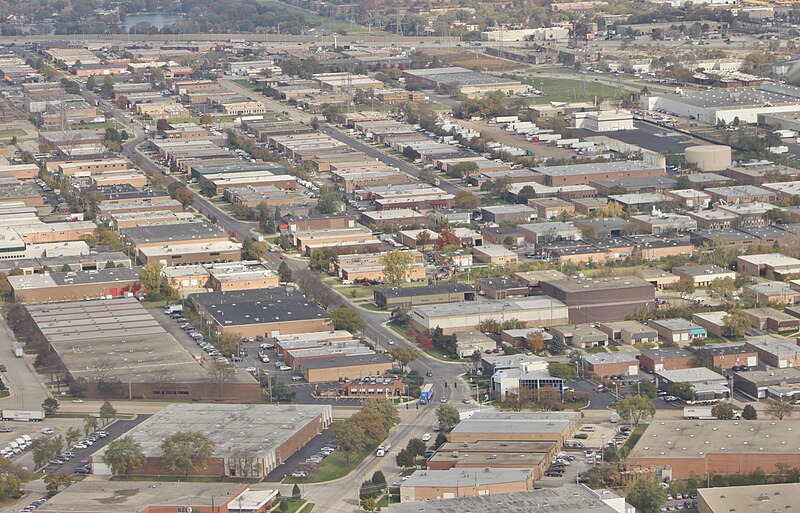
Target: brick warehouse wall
{"points": [[718, 463]]}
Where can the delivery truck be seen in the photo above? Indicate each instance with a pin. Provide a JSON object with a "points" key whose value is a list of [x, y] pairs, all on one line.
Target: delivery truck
{"points": [[16, 348], [426, 394], [28, 415], [383, 449]]}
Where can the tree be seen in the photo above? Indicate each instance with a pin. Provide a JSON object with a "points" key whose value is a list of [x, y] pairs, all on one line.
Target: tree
{"points": [[326, 203], [50, 406], [285, 272], [371, 423], [405, 459], [124, 455], [441, 439], [736, 323], [10, 486], [184, 196], [91, 83], [44, 450], [534, 341], [348, 319], [107, 89], [779, 408], [206, 119], [404, 355], [107, 412], [253, 250], [562, 370], [423, 239], [386, 409], [283, 506], [369, 504], [90, 424], [185, 451], [635, 408], [467, 200], [448, 417], [646, 389], [722, 411], [162, 125], [646, 495], [396, 265], [447, 238], [682, 390], [378, 479], [150, 276], [349, 438], [221, 373], [416, 447], [296, 492], [5, 286], [72, 437], [56, 480], [462, 170], [321, 259], [749, 412]]}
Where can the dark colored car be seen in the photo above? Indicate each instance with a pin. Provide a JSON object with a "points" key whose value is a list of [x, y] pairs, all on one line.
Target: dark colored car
{"points": [[582, 436]]}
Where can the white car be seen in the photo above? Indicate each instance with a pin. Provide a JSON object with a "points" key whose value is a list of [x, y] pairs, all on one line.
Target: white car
{"points": [[285, 368], [251, 370], [79, 446]]}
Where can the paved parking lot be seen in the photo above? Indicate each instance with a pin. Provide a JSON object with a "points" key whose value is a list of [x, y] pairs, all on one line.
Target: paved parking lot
{"points": [[296, 460]]}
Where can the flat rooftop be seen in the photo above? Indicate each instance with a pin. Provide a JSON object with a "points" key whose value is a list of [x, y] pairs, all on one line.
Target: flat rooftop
{"points": [[596, 168], [126, 497], [255, 306], [570, 285], [569, 498], [259, 428], [345, 361], [693, 375], [518, 422], [489, 307], [174, 232], [751, 499], [685, 439], [454, 476]]}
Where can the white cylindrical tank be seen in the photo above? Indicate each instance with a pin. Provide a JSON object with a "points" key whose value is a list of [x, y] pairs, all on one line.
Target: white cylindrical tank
{"points": [[709, 158]]}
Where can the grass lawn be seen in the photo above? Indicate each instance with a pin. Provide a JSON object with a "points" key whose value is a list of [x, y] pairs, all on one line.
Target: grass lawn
{"points": [[371, 307], [293, 505], [8, 134], [713, 339], [630, 443], [361, 292], [307, 508], [333, 467], [593, 350], [575, 406], [565, 90], [246, 84], [400, 330]]}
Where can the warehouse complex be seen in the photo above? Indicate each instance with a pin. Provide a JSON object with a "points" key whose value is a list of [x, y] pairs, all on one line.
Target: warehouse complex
{"points": [[118, 346], [269, 433]]}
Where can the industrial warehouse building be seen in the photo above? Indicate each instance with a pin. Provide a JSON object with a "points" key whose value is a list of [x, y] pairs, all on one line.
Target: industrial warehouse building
{"points": [[455, 317], [718, 447], [74, 286], [462, 81], [120, 343], [767, 498], [605, 299], [714, 105], [260, 312], [268, 433], [517, 426], [404, 297]]}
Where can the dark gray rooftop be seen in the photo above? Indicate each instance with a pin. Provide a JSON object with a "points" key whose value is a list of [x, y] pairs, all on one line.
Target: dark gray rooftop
{"points": [[255, 306], [174, 232], [423, 291]]}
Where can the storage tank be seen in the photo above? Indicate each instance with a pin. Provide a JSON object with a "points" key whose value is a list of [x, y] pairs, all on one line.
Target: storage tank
{"points": [[709, 158]]}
